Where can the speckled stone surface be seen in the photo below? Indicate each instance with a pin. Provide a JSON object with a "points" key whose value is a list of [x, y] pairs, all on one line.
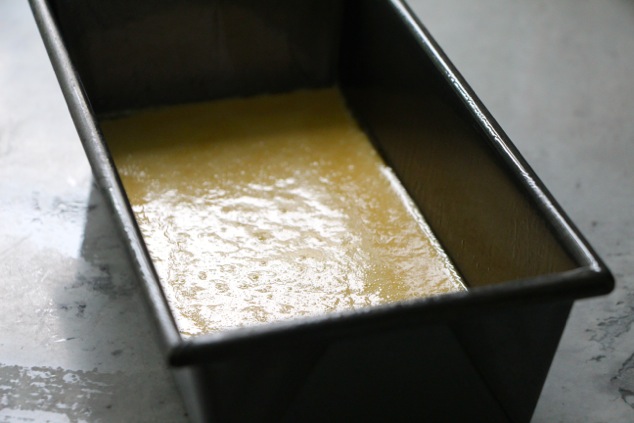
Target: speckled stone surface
{"points": [[75, 342]]}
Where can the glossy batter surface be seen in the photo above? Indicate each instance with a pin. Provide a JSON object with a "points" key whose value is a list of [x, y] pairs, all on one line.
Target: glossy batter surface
{"points": [[271, 207]]}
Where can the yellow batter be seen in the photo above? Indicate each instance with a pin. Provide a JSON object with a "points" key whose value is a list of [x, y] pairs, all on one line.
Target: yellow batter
{"points": [[271, 207]]}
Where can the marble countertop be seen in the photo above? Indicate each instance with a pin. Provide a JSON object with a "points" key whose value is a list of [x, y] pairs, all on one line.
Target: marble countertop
{"points": [[75, 342]]}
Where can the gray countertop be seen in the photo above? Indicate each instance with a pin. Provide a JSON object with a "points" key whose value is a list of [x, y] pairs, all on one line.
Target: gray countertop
{"points": [[75, 342]]}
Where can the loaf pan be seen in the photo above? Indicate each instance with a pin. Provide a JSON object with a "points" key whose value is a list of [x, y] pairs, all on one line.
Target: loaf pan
{"points": [[480, 355]]}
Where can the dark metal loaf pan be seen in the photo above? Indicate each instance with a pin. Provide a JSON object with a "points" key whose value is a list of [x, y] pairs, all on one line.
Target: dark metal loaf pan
{"points": [[479, 356]]}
